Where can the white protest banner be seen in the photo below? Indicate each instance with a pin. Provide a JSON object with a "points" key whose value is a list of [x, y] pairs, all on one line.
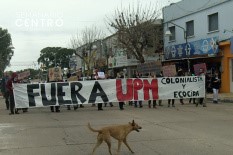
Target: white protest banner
{"points": [[112, 90]]}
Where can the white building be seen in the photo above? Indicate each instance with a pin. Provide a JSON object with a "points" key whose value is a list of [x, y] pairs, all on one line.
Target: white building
{"points": [[201, 30]]}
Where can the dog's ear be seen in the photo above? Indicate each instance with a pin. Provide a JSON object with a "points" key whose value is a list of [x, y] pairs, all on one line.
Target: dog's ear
{"points": [[133, 123]]}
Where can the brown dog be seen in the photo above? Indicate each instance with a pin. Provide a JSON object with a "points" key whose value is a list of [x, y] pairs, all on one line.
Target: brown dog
{"points": [[119, 132]]}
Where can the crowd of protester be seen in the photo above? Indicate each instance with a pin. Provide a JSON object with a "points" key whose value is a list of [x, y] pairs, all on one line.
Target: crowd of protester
{"points": [[213, 82]]}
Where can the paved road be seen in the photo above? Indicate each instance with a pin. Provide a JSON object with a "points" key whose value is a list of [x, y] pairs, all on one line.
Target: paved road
{"points": [[183, 130]]}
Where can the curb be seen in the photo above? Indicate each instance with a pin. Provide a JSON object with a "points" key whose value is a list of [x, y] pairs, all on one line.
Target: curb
{"points": [[222, 100]]}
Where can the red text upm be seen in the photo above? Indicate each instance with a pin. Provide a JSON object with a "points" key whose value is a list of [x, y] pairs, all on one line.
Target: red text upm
{"points": [[133, 86]]}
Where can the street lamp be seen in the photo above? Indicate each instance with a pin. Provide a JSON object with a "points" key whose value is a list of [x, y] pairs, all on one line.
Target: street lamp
{"points": [[168, 33]]}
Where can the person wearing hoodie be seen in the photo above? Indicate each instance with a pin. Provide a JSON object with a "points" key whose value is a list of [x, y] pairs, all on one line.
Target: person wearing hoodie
{"points": [[4, 89], [9, 86]]}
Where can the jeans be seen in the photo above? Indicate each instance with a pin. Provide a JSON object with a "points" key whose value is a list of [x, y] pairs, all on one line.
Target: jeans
{"points": [[215, 94], [136, 105]]}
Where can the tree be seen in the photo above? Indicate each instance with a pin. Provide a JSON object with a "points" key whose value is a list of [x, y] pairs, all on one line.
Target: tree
{"points": [[137, 29], [6, 49], [83, 44], [55, 56]]}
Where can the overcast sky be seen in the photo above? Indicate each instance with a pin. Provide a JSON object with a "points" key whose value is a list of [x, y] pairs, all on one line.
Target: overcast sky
{"points": [[36, 24]]}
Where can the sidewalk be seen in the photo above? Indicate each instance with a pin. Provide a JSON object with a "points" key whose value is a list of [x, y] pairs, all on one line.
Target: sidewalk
{"points": [[223, 97]]}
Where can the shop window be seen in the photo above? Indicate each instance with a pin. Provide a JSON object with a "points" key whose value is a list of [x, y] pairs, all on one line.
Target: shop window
{"points": [[213, 22], [173, 33], [190, 28]]}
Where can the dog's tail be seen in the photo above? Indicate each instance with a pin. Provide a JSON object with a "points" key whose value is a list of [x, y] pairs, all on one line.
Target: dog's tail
{"points": [[93, 130]]}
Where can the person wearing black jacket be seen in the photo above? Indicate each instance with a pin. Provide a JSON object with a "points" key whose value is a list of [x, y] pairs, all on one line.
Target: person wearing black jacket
{"points": [[215, 82], [9, 86]]}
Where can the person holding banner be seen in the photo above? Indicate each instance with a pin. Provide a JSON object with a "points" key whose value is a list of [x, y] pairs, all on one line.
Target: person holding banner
{"points": [[57, 107], [4, 90], [201, 73], [137, 75], [106, 76], [180, 73], [99, 105], [154, 101], [160, 75], [121, 104], [169, 102], [9, 86]]}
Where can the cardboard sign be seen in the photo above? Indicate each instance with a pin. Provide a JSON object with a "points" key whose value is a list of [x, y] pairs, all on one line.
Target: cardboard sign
{"points": [[72, 78], [23, 75], [197, 67], [55, 74], [151, 67], [169, 71]]}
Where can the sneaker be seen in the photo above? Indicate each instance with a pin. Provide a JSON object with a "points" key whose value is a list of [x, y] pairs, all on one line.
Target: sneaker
{"points": [[101, 109]]}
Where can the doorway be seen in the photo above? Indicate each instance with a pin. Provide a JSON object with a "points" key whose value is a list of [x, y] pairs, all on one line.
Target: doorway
{"points": [[231, 74]]}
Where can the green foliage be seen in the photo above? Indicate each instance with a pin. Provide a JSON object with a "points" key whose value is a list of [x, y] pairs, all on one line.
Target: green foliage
{"points": [[50, 56], [6, 49]]}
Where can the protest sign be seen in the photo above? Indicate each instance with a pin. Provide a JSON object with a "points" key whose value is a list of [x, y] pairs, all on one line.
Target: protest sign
{"points": [[112, 90]]}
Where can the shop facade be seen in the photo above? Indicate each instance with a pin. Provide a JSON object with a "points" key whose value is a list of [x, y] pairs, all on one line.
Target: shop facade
{"points": [[227, 67], [201, 35]]}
